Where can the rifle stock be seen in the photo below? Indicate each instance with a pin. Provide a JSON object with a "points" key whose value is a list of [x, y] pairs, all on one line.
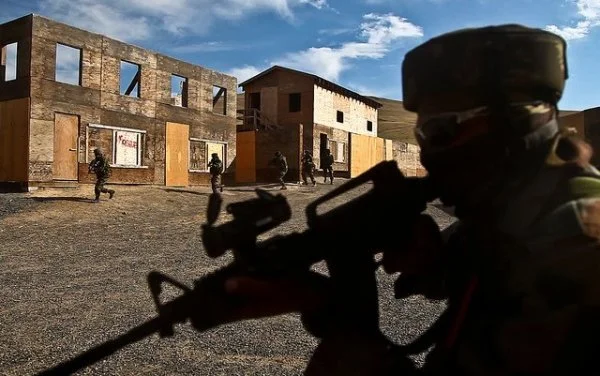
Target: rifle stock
{"points": [[346, 238]]}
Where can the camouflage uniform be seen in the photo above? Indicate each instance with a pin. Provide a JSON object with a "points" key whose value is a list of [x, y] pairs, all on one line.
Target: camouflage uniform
{"points": [[327, 165], [282, 167], [521, 268], [101, 167], [308, 168], [216, 169]]}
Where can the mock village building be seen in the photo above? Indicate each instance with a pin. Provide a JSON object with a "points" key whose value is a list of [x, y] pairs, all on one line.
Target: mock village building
{"points": [[65, 92], [291, 111]]}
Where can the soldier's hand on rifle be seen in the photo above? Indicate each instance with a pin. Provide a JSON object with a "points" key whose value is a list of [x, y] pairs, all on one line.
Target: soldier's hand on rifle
{"points": [[420, 261], [272, 297]]}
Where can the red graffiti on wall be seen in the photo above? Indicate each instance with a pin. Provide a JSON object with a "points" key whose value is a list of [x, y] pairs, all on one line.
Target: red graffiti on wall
{"points": [[128, 143]]}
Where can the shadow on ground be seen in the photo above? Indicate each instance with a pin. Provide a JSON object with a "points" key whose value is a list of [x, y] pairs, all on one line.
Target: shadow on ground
{"points": [[72, 199], [186, 191]]}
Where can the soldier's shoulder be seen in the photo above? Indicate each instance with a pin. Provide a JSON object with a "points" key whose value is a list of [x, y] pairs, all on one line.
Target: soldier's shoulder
{"points": [[578, 211]]}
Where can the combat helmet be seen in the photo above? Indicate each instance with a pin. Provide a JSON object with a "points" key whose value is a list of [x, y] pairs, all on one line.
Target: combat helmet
{"points": [[474, 67]]}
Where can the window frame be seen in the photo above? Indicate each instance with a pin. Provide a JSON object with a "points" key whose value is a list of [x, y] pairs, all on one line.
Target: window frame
{"points": [[206, 141]]}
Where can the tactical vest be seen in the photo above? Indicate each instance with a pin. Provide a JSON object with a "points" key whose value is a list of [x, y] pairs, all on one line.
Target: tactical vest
{"points": [[525, 283]]}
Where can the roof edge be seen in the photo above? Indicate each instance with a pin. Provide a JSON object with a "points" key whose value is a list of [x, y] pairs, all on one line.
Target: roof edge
{"points": [[318, 81]]}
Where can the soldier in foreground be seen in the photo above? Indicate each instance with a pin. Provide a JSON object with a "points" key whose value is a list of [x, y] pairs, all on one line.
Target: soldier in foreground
{"points": [[280, 162], [308, 168], [101, 167], [327, 165], [520, 269], [215, 167]]}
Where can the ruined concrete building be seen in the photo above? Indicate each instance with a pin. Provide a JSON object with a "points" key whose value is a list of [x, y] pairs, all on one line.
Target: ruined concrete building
{"points": [[65, 92], [291, 111]]}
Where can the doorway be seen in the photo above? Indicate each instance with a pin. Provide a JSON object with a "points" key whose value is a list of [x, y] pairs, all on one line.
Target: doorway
{"points": [[323, 146], [66, 134]]}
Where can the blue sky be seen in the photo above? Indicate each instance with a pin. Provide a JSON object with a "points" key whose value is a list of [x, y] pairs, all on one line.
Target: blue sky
{"points": [[359, 44]]}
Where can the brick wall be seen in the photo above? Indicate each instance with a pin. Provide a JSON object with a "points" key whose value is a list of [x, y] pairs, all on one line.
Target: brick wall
{"points": [[407, 157], [286, 140], [98, 100], [356, 113]]}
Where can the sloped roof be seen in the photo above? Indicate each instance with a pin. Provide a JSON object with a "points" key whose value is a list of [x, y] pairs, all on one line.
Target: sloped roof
{"points": [[318, 81]]}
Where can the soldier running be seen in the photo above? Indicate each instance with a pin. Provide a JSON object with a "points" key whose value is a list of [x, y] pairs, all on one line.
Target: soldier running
{"points": [[308, 168], [281, 163], [327, 165], [101, 167]]}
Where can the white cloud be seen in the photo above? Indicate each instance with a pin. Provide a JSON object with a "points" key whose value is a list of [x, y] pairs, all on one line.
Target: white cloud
{"points": [[136, 20], [212, 46], [378, 32], [244, 73], [589, 11], [386, 28]]}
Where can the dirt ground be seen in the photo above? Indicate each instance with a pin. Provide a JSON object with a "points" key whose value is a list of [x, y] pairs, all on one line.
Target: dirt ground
{"points": [[74, 274]]}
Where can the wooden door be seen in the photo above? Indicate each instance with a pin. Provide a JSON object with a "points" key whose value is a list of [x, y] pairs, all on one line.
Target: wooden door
{"points": [[66, 131], [177, 155]]}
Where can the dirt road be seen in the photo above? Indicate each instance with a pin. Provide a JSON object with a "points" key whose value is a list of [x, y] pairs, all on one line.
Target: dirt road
{"points": [[74, 275]]}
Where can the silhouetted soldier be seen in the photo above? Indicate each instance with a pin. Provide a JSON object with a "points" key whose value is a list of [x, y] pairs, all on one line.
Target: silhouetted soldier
{"points": [[102, 169], [308, 167], [327, 165], [281, 163], [216, 169]]}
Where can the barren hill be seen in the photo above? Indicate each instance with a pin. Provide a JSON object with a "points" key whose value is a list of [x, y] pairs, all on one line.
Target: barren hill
{"points": [[395, 122]]}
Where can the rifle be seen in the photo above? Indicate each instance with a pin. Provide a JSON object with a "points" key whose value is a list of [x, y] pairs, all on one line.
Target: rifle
{"points": [[346, 238]]}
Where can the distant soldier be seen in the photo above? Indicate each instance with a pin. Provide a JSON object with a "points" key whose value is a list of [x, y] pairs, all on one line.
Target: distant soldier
{"points": [[308, 167], [282, 166], [327, 165], [101, 167], [216, 169]]}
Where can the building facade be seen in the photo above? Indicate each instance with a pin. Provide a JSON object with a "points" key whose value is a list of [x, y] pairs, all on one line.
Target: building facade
{"points": [[329, 116], [65, 92], [587, 125]]}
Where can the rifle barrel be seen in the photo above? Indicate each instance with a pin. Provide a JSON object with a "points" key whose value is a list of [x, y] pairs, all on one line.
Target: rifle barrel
{"points": [[105, 349]]}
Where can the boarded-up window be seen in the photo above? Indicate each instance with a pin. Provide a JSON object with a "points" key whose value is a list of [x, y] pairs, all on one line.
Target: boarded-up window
{"points": [[8, 60], [68, 65], [201, 152], [198, 160], [128, 150], [122, 147]]}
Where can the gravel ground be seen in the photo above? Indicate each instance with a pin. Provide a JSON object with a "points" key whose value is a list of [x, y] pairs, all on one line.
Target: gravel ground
{"points": [[74, 275]]}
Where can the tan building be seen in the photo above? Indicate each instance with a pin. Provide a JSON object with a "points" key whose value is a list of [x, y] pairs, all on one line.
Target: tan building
{"points": [[65, 92], [587, 125], [289, 103]]}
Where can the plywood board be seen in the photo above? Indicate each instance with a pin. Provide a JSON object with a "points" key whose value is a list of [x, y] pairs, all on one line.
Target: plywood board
{"points": [[365, 152], [177, 154], [245, 157], [66, 130], [389, 150], [14, 140]]}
